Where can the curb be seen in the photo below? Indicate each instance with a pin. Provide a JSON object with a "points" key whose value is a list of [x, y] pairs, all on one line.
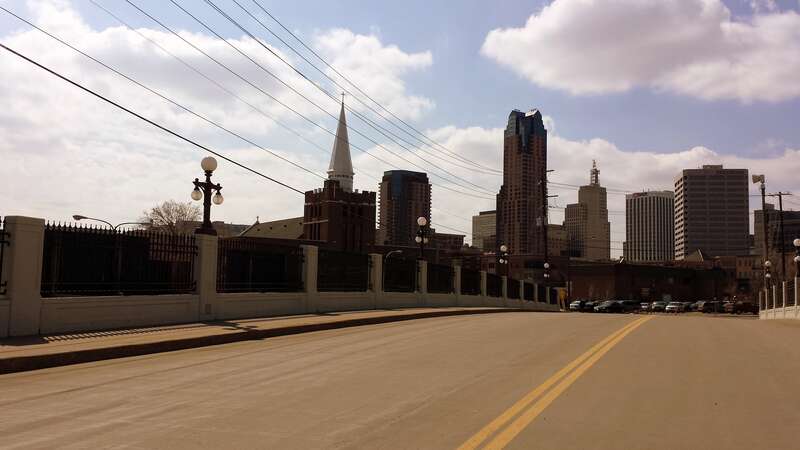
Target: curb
{"points": [[36, 362]]}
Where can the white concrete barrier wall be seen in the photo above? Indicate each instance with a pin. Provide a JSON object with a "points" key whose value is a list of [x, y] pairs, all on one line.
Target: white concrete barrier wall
{"points": [[24, 312], [780, 296]]}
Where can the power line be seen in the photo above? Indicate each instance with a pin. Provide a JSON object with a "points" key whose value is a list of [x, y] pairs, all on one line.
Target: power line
{"points": [[259, 89], [173, 102], [354, 112], [323, 110], [145, 119], [258, 4]]}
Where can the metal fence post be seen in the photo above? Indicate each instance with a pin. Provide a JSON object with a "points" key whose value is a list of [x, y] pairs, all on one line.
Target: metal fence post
{"points": [[205, 270], [23, 266]]}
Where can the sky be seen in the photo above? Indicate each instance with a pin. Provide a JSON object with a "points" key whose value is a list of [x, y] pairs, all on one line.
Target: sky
{"points": [[645, 87]]}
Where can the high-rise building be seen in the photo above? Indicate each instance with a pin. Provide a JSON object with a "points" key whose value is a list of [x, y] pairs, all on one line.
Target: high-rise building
{"points": [[521, 203], [586, 222], [336, 214], [484, 227], [650, 226], [791, 231], [711, 212], [404, 197]]}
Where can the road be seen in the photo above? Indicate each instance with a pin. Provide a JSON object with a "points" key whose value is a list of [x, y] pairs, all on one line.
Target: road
{"points": [[516, 380]]}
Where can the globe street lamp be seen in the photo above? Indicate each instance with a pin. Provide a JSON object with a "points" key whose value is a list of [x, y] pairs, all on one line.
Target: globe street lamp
{"points": [[503, 260], [203, 190], [796, 243], [422, 235]]}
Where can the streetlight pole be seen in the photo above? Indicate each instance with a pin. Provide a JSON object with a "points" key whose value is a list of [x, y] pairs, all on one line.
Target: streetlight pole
{"points": [[203, 190], [422, 235], [796, 243], [767, 279]]}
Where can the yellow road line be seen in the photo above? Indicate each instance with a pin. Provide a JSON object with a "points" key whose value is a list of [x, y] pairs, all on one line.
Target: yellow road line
{"points": [[516, 427], [474, 441]]}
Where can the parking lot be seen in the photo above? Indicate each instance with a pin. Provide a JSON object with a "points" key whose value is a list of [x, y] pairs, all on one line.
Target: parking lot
{"points": [[666, 307]]}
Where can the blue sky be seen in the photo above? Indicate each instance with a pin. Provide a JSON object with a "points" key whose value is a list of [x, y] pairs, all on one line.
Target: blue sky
{"points": [[741, 110]]}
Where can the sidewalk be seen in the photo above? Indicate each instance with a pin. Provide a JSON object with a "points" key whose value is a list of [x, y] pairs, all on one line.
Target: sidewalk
{"points": [[39, 352]]}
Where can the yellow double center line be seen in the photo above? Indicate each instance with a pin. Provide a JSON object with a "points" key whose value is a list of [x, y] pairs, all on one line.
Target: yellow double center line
{"points": [[561, 379]]}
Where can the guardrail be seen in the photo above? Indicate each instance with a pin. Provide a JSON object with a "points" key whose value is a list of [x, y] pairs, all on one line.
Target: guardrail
{"points": [[780, 301]]}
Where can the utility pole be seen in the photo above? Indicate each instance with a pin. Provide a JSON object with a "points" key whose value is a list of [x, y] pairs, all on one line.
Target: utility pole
{"points": [[782, 235], [545, 210]]}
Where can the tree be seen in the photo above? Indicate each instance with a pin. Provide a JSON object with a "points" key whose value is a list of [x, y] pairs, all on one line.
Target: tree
{"points": [[175, 217]]}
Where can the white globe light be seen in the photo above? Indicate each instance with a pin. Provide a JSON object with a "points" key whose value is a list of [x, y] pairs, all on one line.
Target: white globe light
{"points": [[546, 265], [796, 242], [502, 261], [503, 248], [426, 240], [208, 164], [197, 195], [418, 239], [768, 276], [797, 259], [218, 199], [421, 221], [767, 264]]}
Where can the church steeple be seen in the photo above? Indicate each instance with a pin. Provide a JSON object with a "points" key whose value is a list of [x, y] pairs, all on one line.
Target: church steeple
{"points": [[341, 166]]}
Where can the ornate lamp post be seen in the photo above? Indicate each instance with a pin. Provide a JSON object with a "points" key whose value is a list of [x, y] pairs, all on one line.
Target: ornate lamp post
{"points": [[503, 260], [203, 190], [422, 235], [796, 243], [767, 279]]}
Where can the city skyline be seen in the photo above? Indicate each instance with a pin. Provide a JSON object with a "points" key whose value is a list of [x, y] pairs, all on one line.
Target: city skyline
{"points": [[107, 155]]}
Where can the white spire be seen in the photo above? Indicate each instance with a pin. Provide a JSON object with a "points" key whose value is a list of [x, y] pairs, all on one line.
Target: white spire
{"points": [[341, 166]]}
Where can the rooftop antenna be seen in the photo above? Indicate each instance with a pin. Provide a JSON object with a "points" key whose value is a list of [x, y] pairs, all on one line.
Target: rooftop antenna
{"points": [[595, 177]]}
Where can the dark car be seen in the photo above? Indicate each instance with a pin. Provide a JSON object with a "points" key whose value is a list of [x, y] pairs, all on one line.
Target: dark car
{"points": [[609, 306], [630, 305], [658, 306], [710, 307], [577, 305], [741, 308]]}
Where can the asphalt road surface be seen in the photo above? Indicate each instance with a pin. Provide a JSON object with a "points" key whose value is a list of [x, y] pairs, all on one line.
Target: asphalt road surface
{"points": [[516, 380]]}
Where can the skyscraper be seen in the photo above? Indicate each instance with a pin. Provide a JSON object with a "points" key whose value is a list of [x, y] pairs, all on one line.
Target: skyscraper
{"points": [[586, 222], [711, 212], [650, 226], [484, 227], [336, 214], [521, 207], [404, 196]]}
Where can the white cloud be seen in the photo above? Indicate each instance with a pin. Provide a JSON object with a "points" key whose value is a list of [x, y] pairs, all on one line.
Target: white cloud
{"points": [[690, 47], [65, 152], [376, 68]]}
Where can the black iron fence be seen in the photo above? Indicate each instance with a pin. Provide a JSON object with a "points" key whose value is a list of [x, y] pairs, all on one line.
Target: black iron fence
{"points": [[470, 282], [253, 265], [4, 240], [513, 288], [342, 272], [400, 274], [529, 292], [440, 279], [542, 291], [790, 293], [553, 296], [86, 261], [494, 285]]}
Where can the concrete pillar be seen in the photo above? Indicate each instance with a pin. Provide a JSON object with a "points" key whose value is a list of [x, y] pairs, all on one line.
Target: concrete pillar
{"points": [[310, 268], [504, 285], [376, 278], [784, 294], [422, 276], [484, 284], [205, 277], [536, 292], [23, 267], [547, 295], [457, 282], [774, 297], [521, 291], [797, 294]]}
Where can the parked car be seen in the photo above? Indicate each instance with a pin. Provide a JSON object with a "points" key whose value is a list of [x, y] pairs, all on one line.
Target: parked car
{"points": [[630, 305], [710, 307], [687, 306], [674, 307], [694, 306], [577, 305], [741, 308], [644, 307], [658, 306], [589, 306], [609, 306]]}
